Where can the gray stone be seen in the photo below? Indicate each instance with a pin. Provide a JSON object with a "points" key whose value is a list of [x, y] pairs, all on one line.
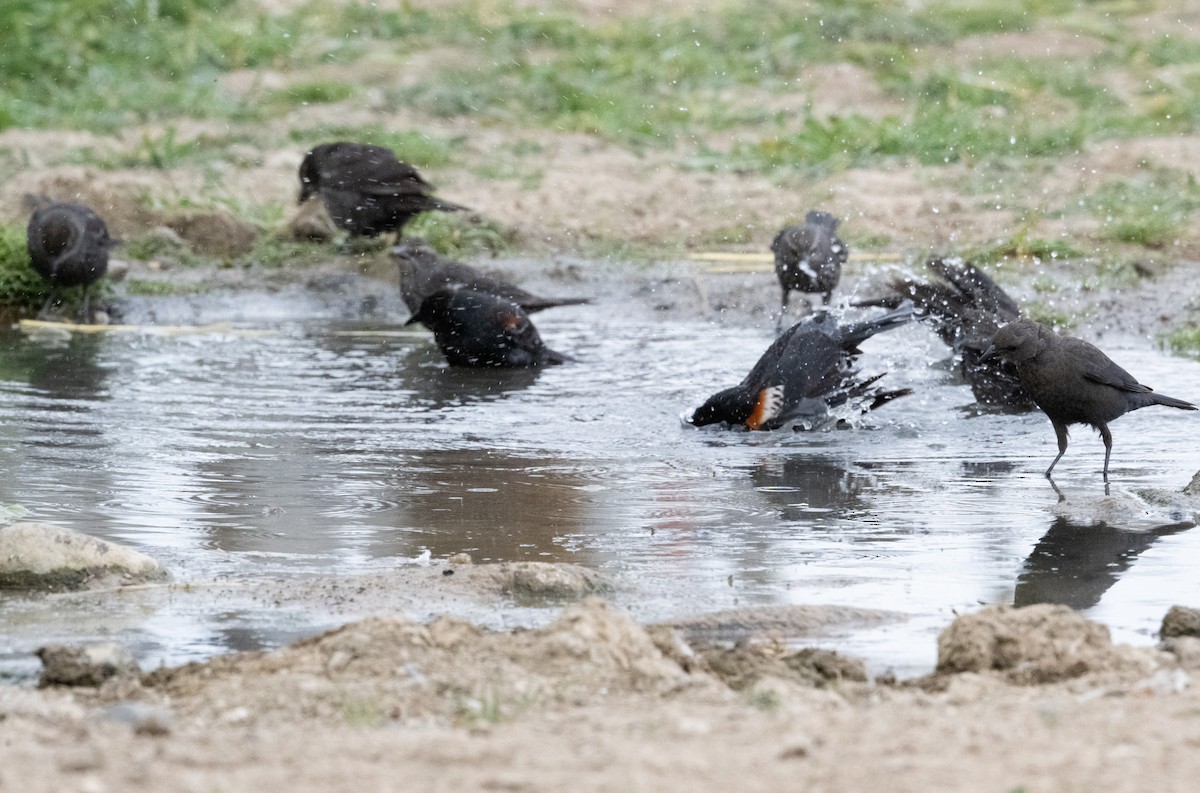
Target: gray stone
{"points": [[1193, 487], [43, 556], [85, 665], [1180, 621]]}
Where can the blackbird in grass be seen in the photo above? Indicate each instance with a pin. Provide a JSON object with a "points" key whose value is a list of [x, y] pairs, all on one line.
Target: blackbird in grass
{"points": [[806, 371], [1072, 381], [68, 246], [966, 308], [478, 329], [365, 189], [423, 271], [809, 257]]}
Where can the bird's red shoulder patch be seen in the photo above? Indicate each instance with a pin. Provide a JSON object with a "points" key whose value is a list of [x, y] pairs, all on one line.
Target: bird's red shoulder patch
{"points": [[768, 405]]}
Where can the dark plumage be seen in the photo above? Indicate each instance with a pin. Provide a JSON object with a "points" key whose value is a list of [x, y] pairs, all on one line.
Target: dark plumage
{"points": [[809, 258], [965, 308], [365, 189], [1072, 381], [477, 329], [423, 271], [806, 371], [68, 246]]}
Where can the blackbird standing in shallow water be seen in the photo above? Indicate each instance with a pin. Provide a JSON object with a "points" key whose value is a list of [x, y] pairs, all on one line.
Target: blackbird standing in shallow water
{"points": [[423, 271], [966, 308], [1072, 381], [809, 257], [365, 189], [477, 329], [68, 246], [806, 371]]}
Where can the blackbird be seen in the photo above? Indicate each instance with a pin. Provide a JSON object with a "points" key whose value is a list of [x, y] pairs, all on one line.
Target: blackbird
{"points": [[423, 271], [966, 308], [365, 189], [809, 257], [478, 329], [1072, 381], [805, 372], [68, 246]]}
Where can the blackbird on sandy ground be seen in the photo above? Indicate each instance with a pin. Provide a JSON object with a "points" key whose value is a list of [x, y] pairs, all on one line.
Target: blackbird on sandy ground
{"points": [[68, 246], [478, 329], [423, 271], [1072, 381], [365, 189], [806, 371], [808, 258], [966, 308]]}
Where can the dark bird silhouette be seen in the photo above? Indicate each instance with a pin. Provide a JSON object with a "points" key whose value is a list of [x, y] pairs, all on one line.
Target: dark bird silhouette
{"points": [[805, 372], [809, 257], [424, 271], [965, 308], [477, 329], [68, 246], [1072, 381], [365, 189]]}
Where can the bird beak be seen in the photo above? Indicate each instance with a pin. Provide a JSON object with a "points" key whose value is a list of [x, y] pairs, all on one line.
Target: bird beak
{"points": [[414, 319], [988, 354]]}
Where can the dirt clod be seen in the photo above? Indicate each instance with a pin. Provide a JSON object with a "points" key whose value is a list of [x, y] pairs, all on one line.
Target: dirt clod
{"points": [[1180, 621], [86, 665], [1036, 644]]}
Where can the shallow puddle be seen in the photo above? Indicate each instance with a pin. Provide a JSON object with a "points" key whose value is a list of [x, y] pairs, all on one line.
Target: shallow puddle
{"points": [[330, 445]]}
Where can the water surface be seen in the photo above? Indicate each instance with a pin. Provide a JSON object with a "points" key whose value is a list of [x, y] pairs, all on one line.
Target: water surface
{"points": [[324, 444]]}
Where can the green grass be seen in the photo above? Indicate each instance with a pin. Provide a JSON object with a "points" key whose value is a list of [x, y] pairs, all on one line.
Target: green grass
{"points": [[1151, 209], [459, 234], [20, 286], [662, 79], [1183, 341], [418, 148]]}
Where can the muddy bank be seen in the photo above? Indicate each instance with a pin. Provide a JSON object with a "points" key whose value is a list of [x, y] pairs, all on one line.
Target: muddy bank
{"points": [[595, 702]]}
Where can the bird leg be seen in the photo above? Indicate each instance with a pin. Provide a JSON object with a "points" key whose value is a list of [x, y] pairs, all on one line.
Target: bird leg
{"points": [[83, 312], [782, 313], [1106, 436], [45, 306], [1061, 431]]}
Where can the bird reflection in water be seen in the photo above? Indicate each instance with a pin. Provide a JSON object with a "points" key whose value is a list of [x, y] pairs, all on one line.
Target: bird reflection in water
{"points": [[801, 484], [1074, 564]]}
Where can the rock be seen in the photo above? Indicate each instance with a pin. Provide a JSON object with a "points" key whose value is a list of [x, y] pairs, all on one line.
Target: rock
{"points": [[461, 559], [311, 222], [745, 665], [43, 556], [1036, 644], [85, 665], [1193, 487], [1180, 621], [216, 233], [1186, 650], [543, 580]]}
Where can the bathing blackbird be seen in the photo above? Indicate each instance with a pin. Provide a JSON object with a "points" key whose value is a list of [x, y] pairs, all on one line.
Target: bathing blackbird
{"points": [[477, 329], [1072, 381], [809, 258], [365, 189], [806, 371], [965, 308], [68, 246], [423, 271]]}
